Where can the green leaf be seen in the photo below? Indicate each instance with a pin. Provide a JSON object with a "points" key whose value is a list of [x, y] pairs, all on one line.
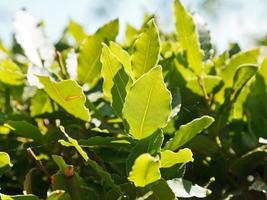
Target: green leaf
{"points": [[18, 197], [188, 131], [144, 111], [161, 190], [10, 73], [145, 170], [170, 158], [247, 57], [105, 176], [210, 82], [102, 173], [4, 159], [76, 31], [146, 50], [119, 91], [24, 129], [68, 180], [188, 38], [122, 56], [109, 142], [243, 74], [149, 145], [130, 35], [228, 72], [41, 103], [60, 163], [68, 94], [110, 66], [4, 162], [185, 189], [109, 31], [89, 65], [72, 143], [240, 89]]}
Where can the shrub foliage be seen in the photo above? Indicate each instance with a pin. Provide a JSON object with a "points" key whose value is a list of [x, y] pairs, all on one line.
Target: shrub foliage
{"points": [[157, 116]]}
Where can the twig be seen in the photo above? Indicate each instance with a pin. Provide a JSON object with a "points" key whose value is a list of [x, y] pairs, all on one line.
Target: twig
{"points": [[38, 162]]}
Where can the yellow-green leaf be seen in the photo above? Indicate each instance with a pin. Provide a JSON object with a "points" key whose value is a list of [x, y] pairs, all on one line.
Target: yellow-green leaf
{"points": [[76, 31], [188, 38], [145, 170], [110, 66], [4, 162], [170, 158], [89, 65], [130, 35], [228, 72], [146, 50], [68, 94], [4, 159], [147, 105], [211, 83], [188, 131], [10, 73], [41, 104], [122, 56]]}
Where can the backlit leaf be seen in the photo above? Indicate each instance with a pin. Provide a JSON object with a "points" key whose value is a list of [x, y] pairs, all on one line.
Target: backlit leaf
{"points": [[145, 170], [10, 73], [146, 50], [170, 158], [68, 94], [89, 65], [188, 38], [110, 66], [144, 111], [188, 131]]}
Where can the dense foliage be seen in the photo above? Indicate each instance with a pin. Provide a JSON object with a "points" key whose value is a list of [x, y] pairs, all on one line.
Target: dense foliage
{"points": [[158, 116]]}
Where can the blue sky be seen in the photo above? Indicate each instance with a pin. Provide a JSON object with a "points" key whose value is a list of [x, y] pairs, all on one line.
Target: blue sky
{"points": [[228, 20]]}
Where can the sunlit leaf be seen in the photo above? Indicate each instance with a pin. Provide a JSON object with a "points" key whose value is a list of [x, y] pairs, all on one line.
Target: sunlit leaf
{"points": [[123, 57], [10, 73], [89, 65], [144, 111], [151, 145], [146, 50], [110, 67], [145, 170], [188, 38], [4, 162], [188, 131], [170, 158], [68, 94]]}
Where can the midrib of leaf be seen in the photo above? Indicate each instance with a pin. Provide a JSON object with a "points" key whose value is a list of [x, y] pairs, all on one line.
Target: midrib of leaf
{"points": [[146, 109], [90, 70], [146, 56]]}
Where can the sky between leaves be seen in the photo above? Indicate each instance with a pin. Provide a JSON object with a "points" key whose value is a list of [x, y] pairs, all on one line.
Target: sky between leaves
{"points": [[228, 20]]}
